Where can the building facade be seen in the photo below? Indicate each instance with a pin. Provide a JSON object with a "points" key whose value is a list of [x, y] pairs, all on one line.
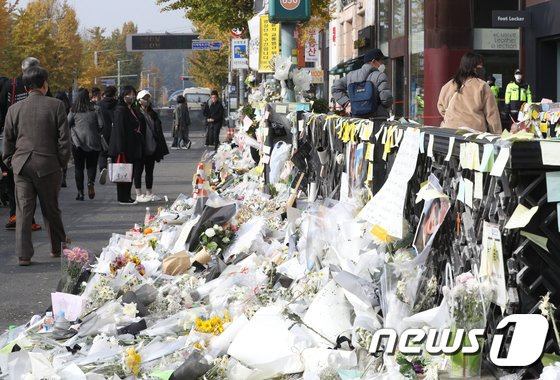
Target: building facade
{"points": [[542, 48], [426, 39]]}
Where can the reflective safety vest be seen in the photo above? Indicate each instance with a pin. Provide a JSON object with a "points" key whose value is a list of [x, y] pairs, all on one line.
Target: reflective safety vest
{"points": [[516, 95], [495, 90]]}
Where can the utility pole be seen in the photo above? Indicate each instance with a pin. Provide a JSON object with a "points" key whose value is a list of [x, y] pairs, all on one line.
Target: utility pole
{"points": [[119, 72], [96, 59]]}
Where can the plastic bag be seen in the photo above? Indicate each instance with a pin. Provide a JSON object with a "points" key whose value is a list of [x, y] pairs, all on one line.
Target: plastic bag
{"points": [[280, 154]]}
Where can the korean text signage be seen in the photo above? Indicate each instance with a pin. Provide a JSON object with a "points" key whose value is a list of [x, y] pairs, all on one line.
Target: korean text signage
{"points": [[510, 19], [239, 56], [289, 10], [269, 44], [496, 39], [312, 47]]}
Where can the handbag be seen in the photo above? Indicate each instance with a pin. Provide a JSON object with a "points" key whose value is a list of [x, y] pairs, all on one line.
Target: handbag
{"points": [[121, 171]]}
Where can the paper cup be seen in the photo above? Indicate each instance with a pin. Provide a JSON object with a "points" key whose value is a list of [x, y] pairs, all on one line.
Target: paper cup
{"points": [[203, 257], [324, 156]]}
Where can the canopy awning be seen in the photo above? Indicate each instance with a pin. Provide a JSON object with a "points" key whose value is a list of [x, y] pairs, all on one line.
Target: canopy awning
{"points": [[347, 66]]}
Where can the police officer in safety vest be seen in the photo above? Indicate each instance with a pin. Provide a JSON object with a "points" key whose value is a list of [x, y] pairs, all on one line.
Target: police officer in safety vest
{"points": [[495, 89], [517, 93]]}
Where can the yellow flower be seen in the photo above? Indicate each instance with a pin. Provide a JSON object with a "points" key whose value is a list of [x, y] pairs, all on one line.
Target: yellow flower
{"points": [[132, 360]]}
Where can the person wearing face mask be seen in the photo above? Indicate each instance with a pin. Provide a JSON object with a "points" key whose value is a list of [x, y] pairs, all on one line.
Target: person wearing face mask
{"points": [[373, 70], [36, 147], [517, 93], [466, 101], [127, 138], [495, 89], [155, 148]]}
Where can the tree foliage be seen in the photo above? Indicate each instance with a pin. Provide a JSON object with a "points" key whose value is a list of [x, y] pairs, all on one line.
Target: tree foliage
{"points": [[110, 49], [223, 15], [48, 30]]}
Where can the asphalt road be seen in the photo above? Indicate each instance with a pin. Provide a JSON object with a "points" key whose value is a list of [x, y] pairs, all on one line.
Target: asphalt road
{"points": [[25, 291]]}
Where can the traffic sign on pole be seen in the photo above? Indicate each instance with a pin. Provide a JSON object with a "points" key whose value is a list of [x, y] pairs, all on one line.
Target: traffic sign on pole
{"points": [[206, 45]]}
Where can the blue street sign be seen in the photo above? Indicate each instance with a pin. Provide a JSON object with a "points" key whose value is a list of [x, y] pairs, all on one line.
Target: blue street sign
{"points": [[206, 45], [107, 82]]}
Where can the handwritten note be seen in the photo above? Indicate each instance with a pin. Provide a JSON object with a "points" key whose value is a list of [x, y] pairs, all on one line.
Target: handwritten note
{"points": [[478, 185], [487, 161], [450, 149], [469, 192], [461, 191], [247, 123], [386, 208], [521, 216], [553, 186], [492, 263], [431, 147], [500, 164], [281, 108], [541, 241], [71, 305], [549, 151]]}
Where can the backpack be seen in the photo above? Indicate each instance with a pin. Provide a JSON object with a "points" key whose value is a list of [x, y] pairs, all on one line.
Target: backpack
{"points": [[363, 98]]}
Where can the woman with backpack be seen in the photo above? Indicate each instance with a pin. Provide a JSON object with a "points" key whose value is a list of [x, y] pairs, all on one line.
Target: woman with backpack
{"points": [[85, 124], [155, 148]]}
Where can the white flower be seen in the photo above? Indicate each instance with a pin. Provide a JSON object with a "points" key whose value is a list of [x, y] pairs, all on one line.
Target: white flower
{"points": [[225, 240], [216, 227], [210, 232], [130, 310], [551, 372], [472, 285]]}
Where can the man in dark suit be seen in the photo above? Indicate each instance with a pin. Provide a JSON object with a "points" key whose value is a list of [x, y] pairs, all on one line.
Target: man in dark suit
{"points": [[214, 113], [37, 146]]}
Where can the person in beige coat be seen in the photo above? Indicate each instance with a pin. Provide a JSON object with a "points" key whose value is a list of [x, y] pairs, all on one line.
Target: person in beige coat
{"points": [[37, 147], [467, 101]]}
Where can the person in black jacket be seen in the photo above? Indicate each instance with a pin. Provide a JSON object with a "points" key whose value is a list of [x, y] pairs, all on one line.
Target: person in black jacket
{"points": [[214, 114], [61, 95], [107, 107], [12, 92], [155, 148], [127, 138]]}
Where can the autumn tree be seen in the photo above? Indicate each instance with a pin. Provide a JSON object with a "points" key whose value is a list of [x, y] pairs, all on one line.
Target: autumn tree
{"points": [[223, 15], [48, 30], [98, 59], [131, 62]]}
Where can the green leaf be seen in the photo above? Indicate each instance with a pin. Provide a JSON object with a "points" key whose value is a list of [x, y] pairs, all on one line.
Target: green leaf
{"points": [[549, 359]]}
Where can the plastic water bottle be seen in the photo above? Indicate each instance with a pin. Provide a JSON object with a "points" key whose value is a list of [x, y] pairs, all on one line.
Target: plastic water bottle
{"points": [[48, 322], [147, 217], [61, 323]]}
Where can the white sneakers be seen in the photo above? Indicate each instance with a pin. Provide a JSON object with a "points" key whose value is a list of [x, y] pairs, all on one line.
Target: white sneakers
{"points": [[145, 198]]}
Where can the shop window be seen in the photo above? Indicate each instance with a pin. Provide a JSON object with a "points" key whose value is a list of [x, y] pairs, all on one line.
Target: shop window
{"points": [[384, 13], [398, 18]]}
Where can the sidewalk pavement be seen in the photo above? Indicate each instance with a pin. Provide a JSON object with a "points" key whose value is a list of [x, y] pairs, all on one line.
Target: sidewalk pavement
{"points": [[25, 291]]}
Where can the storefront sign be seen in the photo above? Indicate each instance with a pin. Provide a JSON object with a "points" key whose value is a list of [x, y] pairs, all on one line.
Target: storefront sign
{"points": [[312, 52], [510, 19], [289, 10], [269, 43], [239, 58], [496, 39], [317, 76]]}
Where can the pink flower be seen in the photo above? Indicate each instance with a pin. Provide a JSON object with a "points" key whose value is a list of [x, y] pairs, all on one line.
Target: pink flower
{"points": [[464, 278]]}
